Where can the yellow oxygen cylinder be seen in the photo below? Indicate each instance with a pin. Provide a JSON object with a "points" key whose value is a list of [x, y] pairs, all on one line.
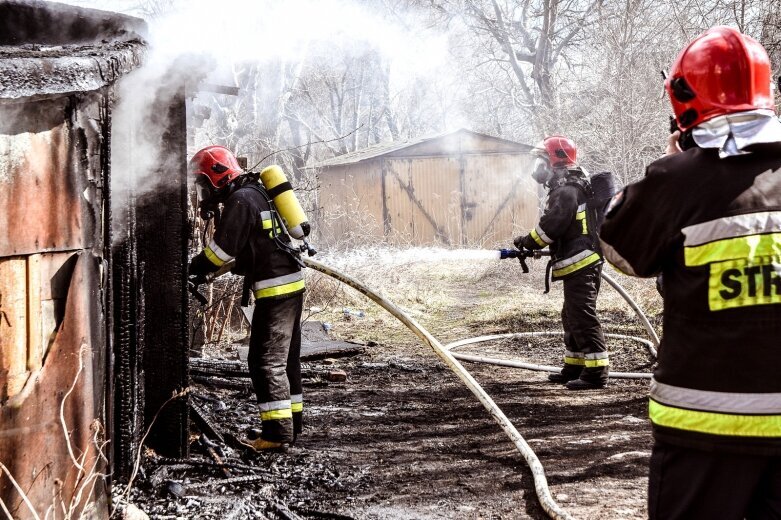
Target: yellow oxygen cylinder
{"points": [[288, 207]]}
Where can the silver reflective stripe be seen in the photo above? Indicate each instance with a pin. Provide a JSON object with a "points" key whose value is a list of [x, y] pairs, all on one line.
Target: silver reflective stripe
{"points": [[217, 250], [569, 353], [573, 259], [582, 207], [596, 355], [265, 215], [275, 405], [297, 398], [616, 260], [542, 234], [279, 280], [731, 227], [723, 402]]}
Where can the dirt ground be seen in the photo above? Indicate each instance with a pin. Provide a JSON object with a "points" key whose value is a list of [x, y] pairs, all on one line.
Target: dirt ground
{"points": [[403, 438]]}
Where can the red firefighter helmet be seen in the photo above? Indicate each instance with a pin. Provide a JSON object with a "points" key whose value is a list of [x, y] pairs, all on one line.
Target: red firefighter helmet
{"points": [[217, 164], [720, 72], [561, 151]]}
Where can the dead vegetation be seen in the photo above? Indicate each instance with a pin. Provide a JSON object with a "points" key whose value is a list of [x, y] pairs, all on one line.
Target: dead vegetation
{"points": [[402, 437]]}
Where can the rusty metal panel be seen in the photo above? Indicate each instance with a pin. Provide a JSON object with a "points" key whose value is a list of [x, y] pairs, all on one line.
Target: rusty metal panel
{"points": [[33, 441], [500, 197], [423, 199], [13, 326], [351, 200], [42, 183]]}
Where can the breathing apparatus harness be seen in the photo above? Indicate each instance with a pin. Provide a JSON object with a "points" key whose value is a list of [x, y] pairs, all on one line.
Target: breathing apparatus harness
{"points": [[598, 189], [210, 211]]}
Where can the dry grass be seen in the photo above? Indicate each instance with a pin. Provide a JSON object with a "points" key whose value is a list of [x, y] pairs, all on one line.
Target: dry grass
{"points": [[455, 298]]}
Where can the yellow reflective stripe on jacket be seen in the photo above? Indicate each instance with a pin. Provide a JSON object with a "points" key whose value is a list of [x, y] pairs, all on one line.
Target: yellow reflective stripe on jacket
{"points": [[276, 415], [212, 257], [713, 423], [537, 238], [215, 254], [572, 267], [737, 248], [297, 407], [279, 290], [279, 285], [740, 403]]}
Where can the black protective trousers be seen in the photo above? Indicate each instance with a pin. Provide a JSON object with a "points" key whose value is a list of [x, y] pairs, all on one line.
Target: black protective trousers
{"points": [[582, 330], [689, 484], [275, 363]]}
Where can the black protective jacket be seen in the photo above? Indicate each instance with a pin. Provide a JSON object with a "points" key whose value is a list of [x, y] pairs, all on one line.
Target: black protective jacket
{"points": [[712, 227], [567, 227], [246, 233]]}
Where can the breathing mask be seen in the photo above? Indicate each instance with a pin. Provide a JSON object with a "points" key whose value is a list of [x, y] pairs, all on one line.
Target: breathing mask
{"points": [[542, 172]]}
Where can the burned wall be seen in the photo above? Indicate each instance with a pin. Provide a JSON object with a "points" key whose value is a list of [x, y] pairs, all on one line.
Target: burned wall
{"points": [[36, 22], [53, 357], [92, 321]]}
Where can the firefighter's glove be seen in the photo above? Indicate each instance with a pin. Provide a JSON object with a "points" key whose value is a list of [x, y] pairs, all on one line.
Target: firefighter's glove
{"points": [[198, 269], [524, 243]]}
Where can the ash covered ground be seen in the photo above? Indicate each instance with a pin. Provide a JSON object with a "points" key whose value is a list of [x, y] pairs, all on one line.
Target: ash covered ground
{"points": [[403, 438]]}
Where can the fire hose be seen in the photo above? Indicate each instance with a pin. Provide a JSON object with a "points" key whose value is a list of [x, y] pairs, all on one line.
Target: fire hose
{"points": [[540, 482], [551, 508], [451, 360]]}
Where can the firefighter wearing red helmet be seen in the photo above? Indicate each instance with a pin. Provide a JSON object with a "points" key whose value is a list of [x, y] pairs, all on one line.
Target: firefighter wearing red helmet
{"points": [[568, 227], [708, 218], [250, 232]]}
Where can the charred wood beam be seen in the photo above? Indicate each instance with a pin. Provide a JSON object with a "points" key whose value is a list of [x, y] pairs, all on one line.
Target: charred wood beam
{"points": [[163, 236], [205, 424]]}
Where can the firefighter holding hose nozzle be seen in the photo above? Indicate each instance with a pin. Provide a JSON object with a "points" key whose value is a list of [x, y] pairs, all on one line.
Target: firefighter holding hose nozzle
{"points": [[568, 227], [708, 217], [258, 214]]}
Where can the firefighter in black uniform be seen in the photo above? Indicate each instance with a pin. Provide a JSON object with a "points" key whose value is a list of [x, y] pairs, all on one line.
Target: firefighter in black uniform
{"points": [[568, 226], [708, 217], [248, 231]]}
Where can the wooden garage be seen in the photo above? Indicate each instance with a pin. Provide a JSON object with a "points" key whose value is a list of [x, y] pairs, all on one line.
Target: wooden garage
{"points": [[458, 188]]}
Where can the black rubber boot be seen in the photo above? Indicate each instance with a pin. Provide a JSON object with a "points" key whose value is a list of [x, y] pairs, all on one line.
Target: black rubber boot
{"points": [[568, 373], [580, 384]]}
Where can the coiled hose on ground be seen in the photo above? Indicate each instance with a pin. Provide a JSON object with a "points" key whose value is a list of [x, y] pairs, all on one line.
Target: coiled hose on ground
{"points": [[540, 482]]}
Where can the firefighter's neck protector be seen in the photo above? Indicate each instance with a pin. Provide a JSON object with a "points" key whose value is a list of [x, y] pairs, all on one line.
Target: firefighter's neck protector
{"points": [[732, 133]]}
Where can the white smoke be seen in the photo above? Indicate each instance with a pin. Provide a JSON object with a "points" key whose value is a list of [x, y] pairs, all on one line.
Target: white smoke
{"points": [[215, 36]]}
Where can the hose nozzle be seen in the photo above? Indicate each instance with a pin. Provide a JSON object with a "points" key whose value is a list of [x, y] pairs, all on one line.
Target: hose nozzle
{"points": [[508, 253]]}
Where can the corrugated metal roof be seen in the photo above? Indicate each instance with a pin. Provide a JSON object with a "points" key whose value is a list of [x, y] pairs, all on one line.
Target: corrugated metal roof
{"points": [[381, 149]]}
